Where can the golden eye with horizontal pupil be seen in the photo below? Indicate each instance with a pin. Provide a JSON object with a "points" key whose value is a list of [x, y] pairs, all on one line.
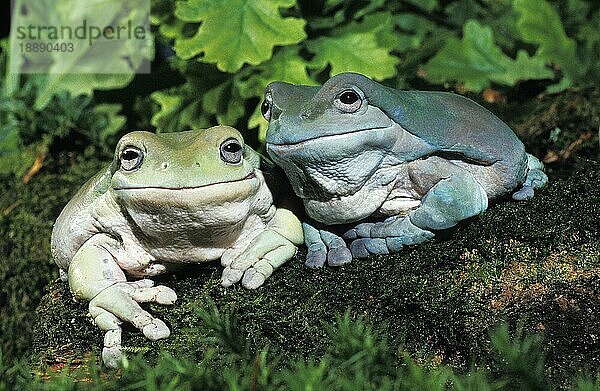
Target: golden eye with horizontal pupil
{"points": [[131, 158], [348, 101], [231, 151]]}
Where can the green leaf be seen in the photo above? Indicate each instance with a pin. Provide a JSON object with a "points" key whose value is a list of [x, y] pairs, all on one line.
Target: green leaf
{"points": [[539, 23], [178, 111], [225, 103], [476, 61], [82, 84], [357, 48], [90, 65], [114, 120], [459, 12], [426, 5], [234, 32], [286, 65], [415, 29]]}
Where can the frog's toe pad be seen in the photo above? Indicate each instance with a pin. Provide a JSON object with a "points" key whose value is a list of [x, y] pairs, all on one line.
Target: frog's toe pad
{"points": [[111, 357], [316, 255], [158, 294], [339, 256], [252, 279], [157, 329], [358, 248], [231, 276], [362, 248], [525, 193], [111, 352]]}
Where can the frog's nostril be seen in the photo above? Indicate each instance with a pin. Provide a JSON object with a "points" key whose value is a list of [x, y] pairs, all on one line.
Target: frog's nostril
{"points": [[197, 164], [165, 165]]}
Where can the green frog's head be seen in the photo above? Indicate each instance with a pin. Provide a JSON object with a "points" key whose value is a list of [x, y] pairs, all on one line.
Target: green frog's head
{"points": [[329, 139], [209, 166]]}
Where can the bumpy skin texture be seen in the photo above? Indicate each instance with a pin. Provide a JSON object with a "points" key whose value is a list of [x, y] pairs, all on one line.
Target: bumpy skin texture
{"points": [[388, 168], [168, 199]]}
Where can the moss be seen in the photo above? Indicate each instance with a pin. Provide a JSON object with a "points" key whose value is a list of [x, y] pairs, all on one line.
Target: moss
{"points": [[532, 263], [27, 213]]}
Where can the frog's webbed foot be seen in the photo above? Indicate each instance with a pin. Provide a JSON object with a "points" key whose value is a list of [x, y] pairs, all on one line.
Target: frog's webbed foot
{"points": [[119, 302], [324, 246], [385, 237], [256, 263]]}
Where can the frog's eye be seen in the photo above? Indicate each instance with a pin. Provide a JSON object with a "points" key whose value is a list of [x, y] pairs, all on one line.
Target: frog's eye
{"points": [[348, 101], [265, 109], [231, 151], [131, 158]]}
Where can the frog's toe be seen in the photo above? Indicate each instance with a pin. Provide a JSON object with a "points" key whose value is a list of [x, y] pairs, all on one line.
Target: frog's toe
{"points": [[362, 248], [230, 276], [315, 259], [111, 357], [158, 294], [362, 230], [316, 255], [256, 275], [120, 302], [377, 246], [358, 248], [111, 352], [339, 256], [252, 279], [524, 193], [156, 329]]}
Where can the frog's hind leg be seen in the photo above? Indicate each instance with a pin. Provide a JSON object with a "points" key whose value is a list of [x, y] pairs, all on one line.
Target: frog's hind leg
{"points": [[324, 246], [534, 179], [94, 275], [455, 197]]}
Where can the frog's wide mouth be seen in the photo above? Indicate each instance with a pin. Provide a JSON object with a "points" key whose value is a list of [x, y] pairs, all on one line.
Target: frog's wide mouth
{"points": [[251, 175], [323, 137]]}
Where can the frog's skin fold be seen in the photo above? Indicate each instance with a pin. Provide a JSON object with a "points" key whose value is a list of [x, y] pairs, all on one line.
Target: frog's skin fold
{"points": [[166, 200], [388, 168]]}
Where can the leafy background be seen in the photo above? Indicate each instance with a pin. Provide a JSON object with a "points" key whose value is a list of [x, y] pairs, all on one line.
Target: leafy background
{"points": [[212, 61]]}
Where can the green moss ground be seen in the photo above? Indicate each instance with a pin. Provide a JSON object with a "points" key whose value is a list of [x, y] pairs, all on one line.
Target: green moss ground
{"points": [[533, 263]]}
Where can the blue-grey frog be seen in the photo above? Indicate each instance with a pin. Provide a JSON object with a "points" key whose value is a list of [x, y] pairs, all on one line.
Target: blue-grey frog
{"points": [[384, 168], [166, 200]]}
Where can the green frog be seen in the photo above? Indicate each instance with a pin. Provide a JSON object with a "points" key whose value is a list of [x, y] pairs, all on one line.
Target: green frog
{"points": [[166, 200]]}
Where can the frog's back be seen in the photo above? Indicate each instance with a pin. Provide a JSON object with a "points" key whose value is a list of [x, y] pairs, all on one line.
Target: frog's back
{"points": [[464, 132], [75, 224]]}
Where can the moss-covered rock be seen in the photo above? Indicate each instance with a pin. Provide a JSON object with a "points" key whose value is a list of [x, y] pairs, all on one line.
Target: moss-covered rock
{"points": [[27, 212], [534, 264]]}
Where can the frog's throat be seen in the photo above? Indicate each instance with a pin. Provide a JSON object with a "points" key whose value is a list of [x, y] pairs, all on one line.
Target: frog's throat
{"points": [[328, 136], [251, 175]]}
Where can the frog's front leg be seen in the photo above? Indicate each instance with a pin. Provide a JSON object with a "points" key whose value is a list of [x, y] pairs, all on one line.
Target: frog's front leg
{"points": [[267, 251], [94, 275], [452, 199]]}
